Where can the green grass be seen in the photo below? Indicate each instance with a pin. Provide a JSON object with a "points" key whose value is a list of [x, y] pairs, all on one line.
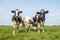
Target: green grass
{"points": [[51, 33]]}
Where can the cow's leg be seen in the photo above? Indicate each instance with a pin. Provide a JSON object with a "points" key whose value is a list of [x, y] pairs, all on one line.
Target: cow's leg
{"points": [[17, 28], [29, 27], [35, 26], [26, 27], [17, 25], [42, 24], [14, 27], [38, 25]]}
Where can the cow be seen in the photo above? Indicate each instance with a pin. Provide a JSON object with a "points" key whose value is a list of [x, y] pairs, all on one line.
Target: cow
{"points": [[27, 23], [39, 19], [16, 20]]}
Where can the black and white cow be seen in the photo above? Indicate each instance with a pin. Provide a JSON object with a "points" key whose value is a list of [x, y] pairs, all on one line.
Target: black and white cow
{"points": [[16, 20], [39, 19]]}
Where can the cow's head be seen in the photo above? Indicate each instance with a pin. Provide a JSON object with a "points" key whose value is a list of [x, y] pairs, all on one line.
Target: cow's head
{"points": [[16, 12], [42, 12]]}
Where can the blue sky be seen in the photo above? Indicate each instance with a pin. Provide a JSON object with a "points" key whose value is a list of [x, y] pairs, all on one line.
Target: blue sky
{"points": [[29, 8]]}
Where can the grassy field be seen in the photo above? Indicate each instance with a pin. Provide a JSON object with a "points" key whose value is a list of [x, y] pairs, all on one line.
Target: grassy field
{"points": [[51, 33]]}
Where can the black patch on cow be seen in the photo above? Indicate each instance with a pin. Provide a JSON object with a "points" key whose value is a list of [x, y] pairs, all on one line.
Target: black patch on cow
{"points": [[34, 19], [39, 18], [17, 18], [42, 17]]}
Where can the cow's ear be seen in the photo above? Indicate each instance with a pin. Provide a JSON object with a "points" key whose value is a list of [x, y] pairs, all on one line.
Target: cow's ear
{"points": [[46, 11], [38, 12], [20, 11], [13, 11]]}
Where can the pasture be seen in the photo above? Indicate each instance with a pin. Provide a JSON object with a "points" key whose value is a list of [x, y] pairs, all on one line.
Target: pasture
{"points": [[51, 33]]}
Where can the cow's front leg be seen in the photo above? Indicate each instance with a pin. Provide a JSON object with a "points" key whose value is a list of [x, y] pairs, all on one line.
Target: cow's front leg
{"points": [[38, 25], [25, 28], [17, 25], [42, 24], [29, 28], [14, 29]]}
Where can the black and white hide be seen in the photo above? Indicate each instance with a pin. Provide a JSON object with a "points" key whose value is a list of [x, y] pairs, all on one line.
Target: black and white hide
{"points": [[16, 20], [39, 20]]}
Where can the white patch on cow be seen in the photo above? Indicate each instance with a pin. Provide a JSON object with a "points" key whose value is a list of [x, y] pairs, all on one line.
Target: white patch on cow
{"points": [[42, 11], [27, 18], [17, 12], [37, 17]]}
